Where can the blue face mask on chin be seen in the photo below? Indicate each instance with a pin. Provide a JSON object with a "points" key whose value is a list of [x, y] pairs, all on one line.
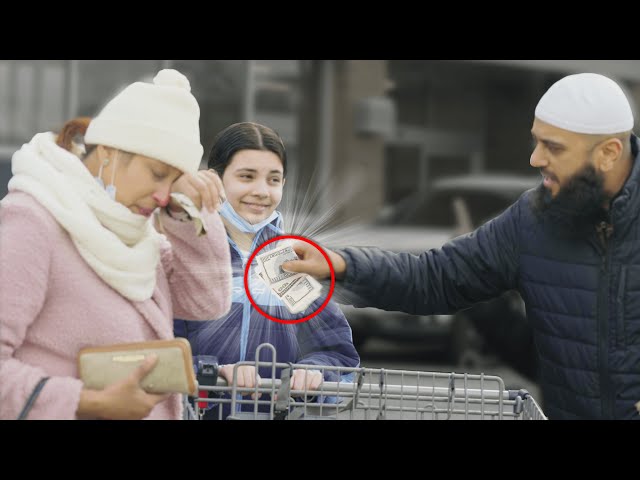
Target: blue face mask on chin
{"points": [[110, 189], [240, 223]]}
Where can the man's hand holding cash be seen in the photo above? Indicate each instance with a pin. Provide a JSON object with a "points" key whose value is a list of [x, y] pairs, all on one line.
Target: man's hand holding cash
{"points": [[311, 261], [297, 290]]}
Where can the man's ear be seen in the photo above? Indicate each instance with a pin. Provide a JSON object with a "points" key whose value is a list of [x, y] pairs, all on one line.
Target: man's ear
{"points": [[608, 153]]}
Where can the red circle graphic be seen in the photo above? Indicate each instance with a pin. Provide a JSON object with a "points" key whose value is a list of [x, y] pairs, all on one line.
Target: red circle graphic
{"points": [[302, 239]]}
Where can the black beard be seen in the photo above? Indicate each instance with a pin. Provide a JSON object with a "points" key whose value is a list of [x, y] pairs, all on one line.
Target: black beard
{"points": [[577, 208]]}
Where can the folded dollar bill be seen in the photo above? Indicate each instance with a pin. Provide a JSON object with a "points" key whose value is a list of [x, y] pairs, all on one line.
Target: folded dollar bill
{"points": [[192, 211], [270, 263], [296, 290], [302, 292]]}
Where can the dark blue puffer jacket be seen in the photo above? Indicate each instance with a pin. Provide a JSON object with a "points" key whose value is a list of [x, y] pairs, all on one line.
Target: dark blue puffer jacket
{"points": [[582, 297]]}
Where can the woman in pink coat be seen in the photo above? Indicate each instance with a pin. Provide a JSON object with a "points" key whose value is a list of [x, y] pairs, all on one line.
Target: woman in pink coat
{"points": [[96, 249]]}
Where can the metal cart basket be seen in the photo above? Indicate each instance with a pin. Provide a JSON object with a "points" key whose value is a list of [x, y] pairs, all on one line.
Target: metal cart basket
{"points": [[364, 394]]}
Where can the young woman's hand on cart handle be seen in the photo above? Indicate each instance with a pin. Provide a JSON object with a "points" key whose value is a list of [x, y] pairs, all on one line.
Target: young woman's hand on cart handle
{"points": [[306, 379], [247, 376]]}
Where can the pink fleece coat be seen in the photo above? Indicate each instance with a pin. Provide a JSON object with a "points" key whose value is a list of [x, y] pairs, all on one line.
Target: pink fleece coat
{"points": [[52, 304]]}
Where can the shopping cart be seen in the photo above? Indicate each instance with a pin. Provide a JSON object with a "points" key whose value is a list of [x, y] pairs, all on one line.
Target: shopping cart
{"points": [[372, 393]]}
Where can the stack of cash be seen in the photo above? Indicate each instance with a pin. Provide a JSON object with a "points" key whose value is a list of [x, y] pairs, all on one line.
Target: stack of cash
{"points": [[296, 290]]}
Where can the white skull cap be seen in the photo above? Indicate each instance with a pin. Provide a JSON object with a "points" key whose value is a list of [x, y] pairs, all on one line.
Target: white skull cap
{"points": [[586, 103]]}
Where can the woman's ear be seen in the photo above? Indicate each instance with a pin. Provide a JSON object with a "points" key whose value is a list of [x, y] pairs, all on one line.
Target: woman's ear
{"points": [[106, 153], [102, 152]]}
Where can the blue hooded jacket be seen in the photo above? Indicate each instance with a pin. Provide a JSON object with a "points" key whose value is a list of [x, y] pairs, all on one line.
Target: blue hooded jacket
{"points": [[325, 340]]}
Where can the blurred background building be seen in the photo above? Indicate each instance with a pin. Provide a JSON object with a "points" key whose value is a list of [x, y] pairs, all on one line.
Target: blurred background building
{"points": [[394, 124]]}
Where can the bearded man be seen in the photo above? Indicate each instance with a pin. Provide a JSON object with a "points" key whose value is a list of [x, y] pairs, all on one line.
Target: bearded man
{"points": [[571, 247]]}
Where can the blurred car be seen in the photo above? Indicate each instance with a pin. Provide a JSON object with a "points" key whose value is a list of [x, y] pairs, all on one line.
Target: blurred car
{"points": [[452, 206]]}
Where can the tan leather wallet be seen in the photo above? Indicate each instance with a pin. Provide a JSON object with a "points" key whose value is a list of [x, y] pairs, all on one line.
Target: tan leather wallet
{"points": [[103, 366]]}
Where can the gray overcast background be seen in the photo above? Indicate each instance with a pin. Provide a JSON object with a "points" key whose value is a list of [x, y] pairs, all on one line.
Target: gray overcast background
{"points": [[395, 125]]}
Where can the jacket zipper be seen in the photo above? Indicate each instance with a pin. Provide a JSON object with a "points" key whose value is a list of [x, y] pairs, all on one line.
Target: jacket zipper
{"points": [[246, 305], [620, 343], [604, 231]]}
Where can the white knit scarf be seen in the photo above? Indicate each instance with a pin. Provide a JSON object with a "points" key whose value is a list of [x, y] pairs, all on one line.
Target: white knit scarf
{"points": [[122, 247]]}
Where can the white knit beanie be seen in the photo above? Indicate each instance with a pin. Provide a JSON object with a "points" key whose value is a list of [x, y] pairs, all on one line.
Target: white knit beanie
{"points": [[158, 120], [586, 103]]}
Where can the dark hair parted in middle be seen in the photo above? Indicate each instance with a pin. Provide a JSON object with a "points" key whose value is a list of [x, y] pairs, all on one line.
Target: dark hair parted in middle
{"points": [[245, 136]]}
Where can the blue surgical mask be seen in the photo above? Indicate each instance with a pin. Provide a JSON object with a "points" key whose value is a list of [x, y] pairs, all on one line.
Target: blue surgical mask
{"points": [[111, 188], [240, 223]]}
